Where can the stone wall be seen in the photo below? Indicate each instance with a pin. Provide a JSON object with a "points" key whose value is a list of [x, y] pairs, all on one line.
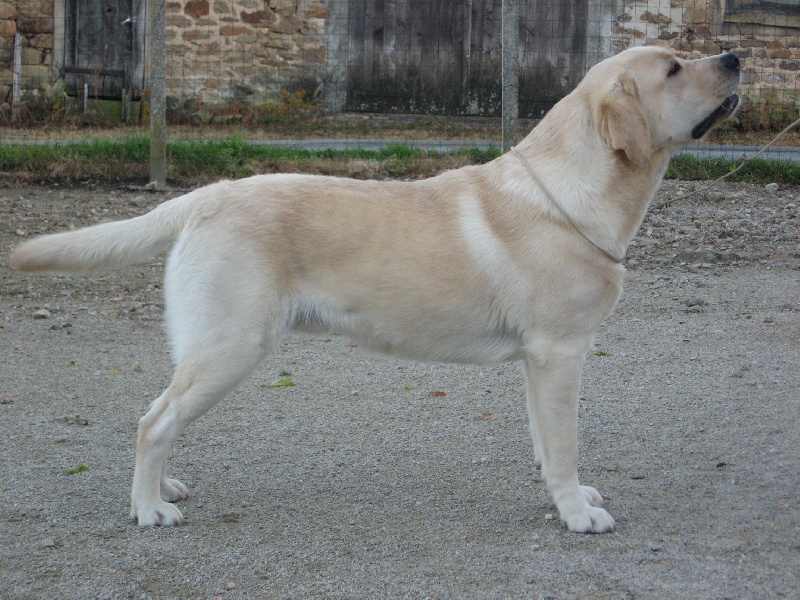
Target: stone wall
{"points": [[768, 44], [217, 51], [244, 50], [249, 50], [33, 19]]}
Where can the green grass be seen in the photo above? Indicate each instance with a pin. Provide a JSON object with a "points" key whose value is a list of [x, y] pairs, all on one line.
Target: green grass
{"points": [[195, 162], [754, 171], [238, 151], [33, 157], [79, 468]]}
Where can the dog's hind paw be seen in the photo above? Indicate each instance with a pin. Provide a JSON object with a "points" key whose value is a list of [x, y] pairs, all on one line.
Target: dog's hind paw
{"points": [[590, 520], [592, 496], [173, 490], [160, 513]]}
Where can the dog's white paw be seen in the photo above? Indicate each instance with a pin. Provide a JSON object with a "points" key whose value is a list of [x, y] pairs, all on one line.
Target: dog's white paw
{"points": [[173, 490], [159, 513], [581, 511], [592, 496], [589, 520]]}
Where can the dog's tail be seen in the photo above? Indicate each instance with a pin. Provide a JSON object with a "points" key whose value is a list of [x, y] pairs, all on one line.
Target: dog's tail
{"points": [[107, 245]]}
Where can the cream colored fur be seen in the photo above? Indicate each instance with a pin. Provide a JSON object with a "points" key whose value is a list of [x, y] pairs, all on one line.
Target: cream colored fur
{"points": [[476, 265]]}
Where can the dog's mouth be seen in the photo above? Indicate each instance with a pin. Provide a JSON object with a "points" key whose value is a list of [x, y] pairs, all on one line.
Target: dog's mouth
{"points": [[722, 112]]}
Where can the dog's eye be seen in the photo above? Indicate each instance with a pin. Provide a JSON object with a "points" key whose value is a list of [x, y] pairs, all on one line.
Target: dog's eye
{"points": [[674, 69]]}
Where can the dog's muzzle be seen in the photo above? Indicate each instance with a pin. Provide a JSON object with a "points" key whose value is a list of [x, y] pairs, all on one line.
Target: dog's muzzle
{"points": [[722, 112], [730, 63]]}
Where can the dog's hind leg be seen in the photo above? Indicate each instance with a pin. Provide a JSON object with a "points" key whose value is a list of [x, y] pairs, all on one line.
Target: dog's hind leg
{"points": [[195, 388], [533, 423], [222, 322]]}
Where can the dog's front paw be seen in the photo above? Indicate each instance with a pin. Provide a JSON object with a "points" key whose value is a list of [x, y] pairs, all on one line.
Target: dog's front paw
{"points": [[159, 513], [173, 490]]}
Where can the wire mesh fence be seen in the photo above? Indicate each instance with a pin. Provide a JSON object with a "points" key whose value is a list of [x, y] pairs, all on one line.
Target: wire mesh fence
{"points": [[272, 67]]}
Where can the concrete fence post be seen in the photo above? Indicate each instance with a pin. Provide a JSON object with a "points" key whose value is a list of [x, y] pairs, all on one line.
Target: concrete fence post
{"points": [[16, 83], [158, 95], [510, 73]]}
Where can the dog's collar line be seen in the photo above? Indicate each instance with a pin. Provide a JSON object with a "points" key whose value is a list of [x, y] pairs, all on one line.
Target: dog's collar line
{"points": [[560, 209]]}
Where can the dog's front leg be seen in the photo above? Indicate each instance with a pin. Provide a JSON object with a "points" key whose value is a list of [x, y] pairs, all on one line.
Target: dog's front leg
{"points": [[553, 383]]}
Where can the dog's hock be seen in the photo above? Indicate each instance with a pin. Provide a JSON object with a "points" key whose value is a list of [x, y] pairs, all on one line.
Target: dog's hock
{"points": [[622, 122]]}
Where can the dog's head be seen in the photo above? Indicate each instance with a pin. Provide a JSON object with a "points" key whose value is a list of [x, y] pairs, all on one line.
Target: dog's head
{"points": [[647, 99]]}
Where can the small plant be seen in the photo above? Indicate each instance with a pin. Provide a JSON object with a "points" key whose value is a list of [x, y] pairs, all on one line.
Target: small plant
{"points": [[58, 100], [79, 468], [768, 112], [40, 106], [291, 108], [294, 107]]}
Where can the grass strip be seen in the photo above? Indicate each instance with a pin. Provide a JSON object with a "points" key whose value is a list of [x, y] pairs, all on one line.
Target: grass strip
{"points": [[757, 170], [237, 151], [196, 162]]}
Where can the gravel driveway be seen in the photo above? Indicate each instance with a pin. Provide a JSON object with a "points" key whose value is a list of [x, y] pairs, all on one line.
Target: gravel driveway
{"points": [[373, 477]]}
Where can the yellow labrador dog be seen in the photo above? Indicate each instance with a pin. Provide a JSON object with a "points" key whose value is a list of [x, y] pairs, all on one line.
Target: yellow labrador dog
{"points": [[514, 260]]}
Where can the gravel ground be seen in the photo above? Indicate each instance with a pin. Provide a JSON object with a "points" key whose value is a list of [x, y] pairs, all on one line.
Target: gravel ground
{"points": [[358, 482]]}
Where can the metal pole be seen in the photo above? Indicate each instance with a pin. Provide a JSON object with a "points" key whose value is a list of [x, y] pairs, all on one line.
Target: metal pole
{"points": [[158, 96], [510, 73]]}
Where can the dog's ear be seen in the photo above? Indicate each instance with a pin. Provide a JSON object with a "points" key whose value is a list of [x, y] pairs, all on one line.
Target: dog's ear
{"points": [[622, 122]]}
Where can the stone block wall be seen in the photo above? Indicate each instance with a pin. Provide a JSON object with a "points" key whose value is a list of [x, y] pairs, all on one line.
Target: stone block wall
{"points": [[244, 50], [217, 50], [767, 43], [249, 50], [33, 19]]}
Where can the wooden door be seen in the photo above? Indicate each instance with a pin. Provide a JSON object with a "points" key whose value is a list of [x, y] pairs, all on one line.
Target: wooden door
{"points": [[103, 47], [444, 57], [405, 55]]}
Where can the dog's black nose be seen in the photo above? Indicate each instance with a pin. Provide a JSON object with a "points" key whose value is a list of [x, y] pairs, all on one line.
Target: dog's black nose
{"points": [[730, 61]]}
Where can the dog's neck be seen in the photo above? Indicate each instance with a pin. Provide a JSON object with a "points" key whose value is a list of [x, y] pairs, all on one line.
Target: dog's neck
{"points": [[562, 212], [606, 212]]}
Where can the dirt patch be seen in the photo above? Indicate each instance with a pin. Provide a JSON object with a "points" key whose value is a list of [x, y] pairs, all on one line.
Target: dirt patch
{"points": [[358, 483]]}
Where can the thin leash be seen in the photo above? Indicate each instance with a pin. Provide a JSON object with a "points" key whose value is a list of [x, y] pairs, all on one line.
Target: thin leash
{"points": [[745, 160], [560, 209]]}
